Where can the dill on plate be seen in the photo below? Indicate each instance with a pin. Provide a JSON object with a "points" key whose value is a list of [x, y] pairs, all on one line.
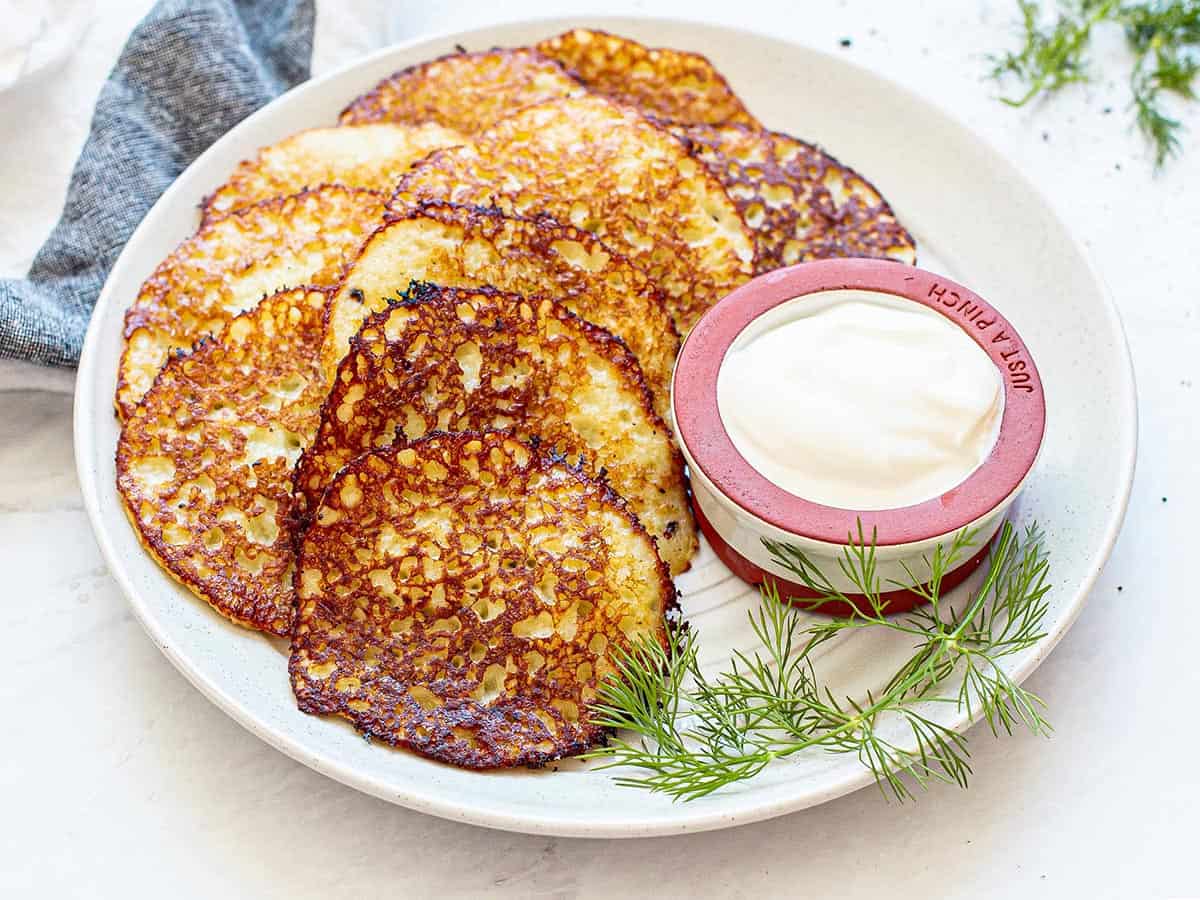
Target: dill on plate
{"points": [[686, 735]]}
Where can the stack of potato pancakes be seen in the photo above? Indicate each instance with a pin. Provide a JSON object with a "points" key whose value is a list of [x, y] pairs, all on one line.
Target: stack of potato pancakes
{"points": [[404, 395]]}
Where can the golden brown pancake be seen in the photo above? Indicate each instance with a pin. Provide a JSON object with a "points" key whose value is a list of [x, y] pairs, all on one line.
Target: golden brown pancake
{"points": [[462, 597], [204, 464], [610, 171], [471, 247], [478, 359], [464, 91], [670, 84], [370, 156], [230, 264], [801, 203]]}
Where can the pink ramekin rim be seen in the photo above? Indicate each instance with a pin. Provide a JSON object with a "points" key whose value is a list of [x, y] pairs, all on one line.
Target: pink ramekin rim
{"points": [[709, 447]]}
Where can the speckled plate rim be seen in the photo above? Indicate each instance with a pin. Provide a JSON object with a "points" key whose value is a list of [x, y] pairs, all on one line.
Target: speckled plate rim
{"points": [[93, 403]]}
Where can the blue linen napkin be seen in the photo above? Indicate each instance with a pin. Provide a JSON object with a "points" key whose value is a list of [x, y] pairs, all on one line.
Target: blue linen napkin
{"points": [[190, 71]]}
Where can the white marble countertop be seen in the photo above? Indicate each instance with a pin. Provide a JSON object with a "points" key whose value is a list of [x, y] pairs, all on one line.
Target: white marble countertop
{"points": [[118, 778]]}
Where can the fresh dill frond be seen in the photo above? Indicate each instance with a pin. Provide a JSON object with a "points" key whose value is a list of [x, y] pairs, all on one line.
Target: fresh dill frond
{"points": [[681, 733], [1163, 35], [1157, 126], [1051, 58]]}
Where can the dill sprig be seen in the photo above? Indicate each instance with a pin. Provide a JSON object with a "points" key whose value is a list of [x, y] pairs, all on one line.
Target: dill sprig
{"points": [[1164, 36], [686, 735]]}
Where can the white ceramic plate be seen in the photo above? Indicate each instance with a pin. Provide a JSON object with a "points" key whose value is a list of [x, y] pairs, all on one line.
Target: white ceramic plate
{"points": [[976, 219]]}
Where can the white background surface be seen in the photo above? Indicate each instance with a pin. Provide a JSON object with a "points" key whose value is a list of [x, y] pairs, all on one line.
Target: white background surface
{"points": [[118, 778]]}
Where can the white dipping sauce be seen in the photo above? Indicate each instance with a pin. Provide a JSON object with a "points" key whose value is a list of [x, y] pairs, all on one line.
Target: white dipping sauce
{"points": [[860, 400]]}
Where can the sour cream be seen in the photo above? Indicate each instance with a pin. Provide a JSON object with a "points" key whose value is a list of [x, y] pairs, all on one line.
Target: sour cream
{"points": [[860, 400]]}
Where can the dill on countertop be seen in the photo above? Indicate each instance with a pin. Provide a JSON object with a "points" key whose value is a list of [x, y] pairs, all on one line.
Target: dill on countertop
{"points": [[684, 734], [1164, 36]]}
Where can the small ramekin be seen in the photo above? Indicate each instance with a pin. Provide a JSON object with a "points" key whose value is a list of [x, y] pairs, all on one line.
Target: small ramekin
{"points": [[738, 508]]}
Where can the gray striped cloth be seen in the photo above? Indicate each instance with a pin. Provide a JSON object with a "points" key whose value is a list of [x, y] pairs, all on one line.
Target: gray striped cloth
{"points": [[191, 70]]}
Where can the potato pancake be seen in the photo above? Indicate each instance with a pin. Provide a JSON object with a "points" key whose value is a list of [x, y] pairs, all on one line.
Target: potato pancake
{"points": [[670, 84], [205, 463], [464, 91], [230, 264], [479, 359], [610, 171], [468, 247], [364, 156], [461, 596], [800, 202]]}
